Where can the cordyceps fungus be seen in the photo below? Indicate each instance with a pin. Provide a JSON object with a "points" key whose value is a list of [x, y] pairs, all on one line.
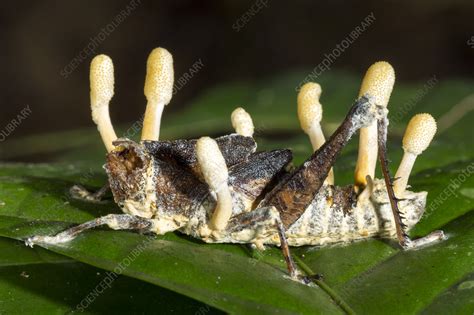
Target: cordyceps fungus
{"points": [[418, 135], [102, 91], [310, 114], [214, 171], [222, 191], [378, 82], [158, 91]]}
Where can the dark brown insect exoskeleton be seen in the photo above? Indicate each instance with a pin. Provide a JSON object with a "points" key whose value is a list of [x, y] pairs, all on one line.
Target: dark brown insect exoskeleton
{"points": [[223, 191]]}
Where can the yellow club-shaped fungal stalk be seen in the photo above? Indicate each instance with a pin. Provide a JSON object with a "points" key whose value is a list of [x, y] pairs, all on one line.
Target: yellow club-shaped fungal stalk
{"points": [[102, 91], [215, 173], [158, 91], [418, 135], [378, 84], [242, 122], [310, 114]]}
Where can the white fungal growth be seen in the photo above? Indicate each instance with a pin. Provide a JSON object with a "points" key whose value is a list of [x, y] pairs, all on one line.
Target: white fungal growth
{"points": [[158, 91], [310, 114], [215, 173], [212, 163], [377, 83], [242, 122], [310, 110], [418, 135], [159, 76], [101, 92], [101, 80]]}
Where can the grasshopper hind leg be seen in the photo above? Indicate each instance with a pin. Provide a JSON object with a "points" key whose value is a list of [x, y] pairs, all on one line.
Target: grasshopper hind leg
{"points": [[270, 229], [403, 239], [114, 221]]}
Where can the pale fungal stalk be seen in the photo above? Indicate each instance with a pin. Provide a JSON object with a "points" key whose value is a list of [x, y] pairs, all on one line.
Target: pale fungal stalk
{"points": [[102, 90], [215, 173], [378, 83], [418, 135], [242, 122], [310, 114], [158, 91]]}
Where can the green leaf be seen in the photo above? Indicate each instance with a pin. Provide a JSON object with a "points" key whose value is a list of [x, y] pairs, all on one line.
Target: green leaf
{"points": [[206, 273], [370, 276], [36, 281]]}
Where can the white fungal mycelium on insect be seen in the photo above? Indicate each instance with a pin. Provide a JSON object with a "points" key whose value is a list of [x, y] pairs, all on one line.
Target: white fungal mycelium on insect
{"points": [[322, 223]]}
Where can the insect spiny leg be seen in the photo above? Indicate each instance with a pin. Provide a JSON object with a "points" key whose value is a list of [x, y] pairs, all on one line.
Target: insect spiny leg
{"points": [[401, 227], [290, 264], [382, 147]]}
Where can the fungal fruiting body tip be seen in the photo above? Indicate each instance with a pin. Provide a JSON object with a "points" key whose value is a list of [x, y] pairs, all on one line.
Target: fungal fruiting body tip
{"points": [[377, 84], [310, 114], [310, 110], [418, 135], [242, 122], [158, 91], [101, 92]]}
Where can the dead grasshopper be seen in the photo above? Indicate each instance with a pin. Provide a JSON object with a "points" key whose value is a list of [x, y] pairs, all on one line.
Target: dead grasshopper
{"points": [[223, 191]]}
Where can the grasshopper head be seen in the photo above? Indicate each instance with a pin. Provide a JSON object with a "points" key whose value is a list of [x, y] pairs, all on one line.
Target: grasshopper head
{"points": [[128, 167]]}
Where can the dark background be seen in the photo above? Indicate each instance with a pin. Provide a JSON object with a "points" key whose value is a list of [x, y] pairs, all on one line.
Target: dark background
{"points": [[39, 38]]}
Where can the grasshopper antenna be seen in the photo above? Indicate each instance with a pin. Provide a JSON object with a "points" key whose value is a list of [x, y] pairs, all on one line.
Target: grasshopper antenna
{"points": [[102, 91], [215, 173], [310, 114], [378, 82], [158, 91]]}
